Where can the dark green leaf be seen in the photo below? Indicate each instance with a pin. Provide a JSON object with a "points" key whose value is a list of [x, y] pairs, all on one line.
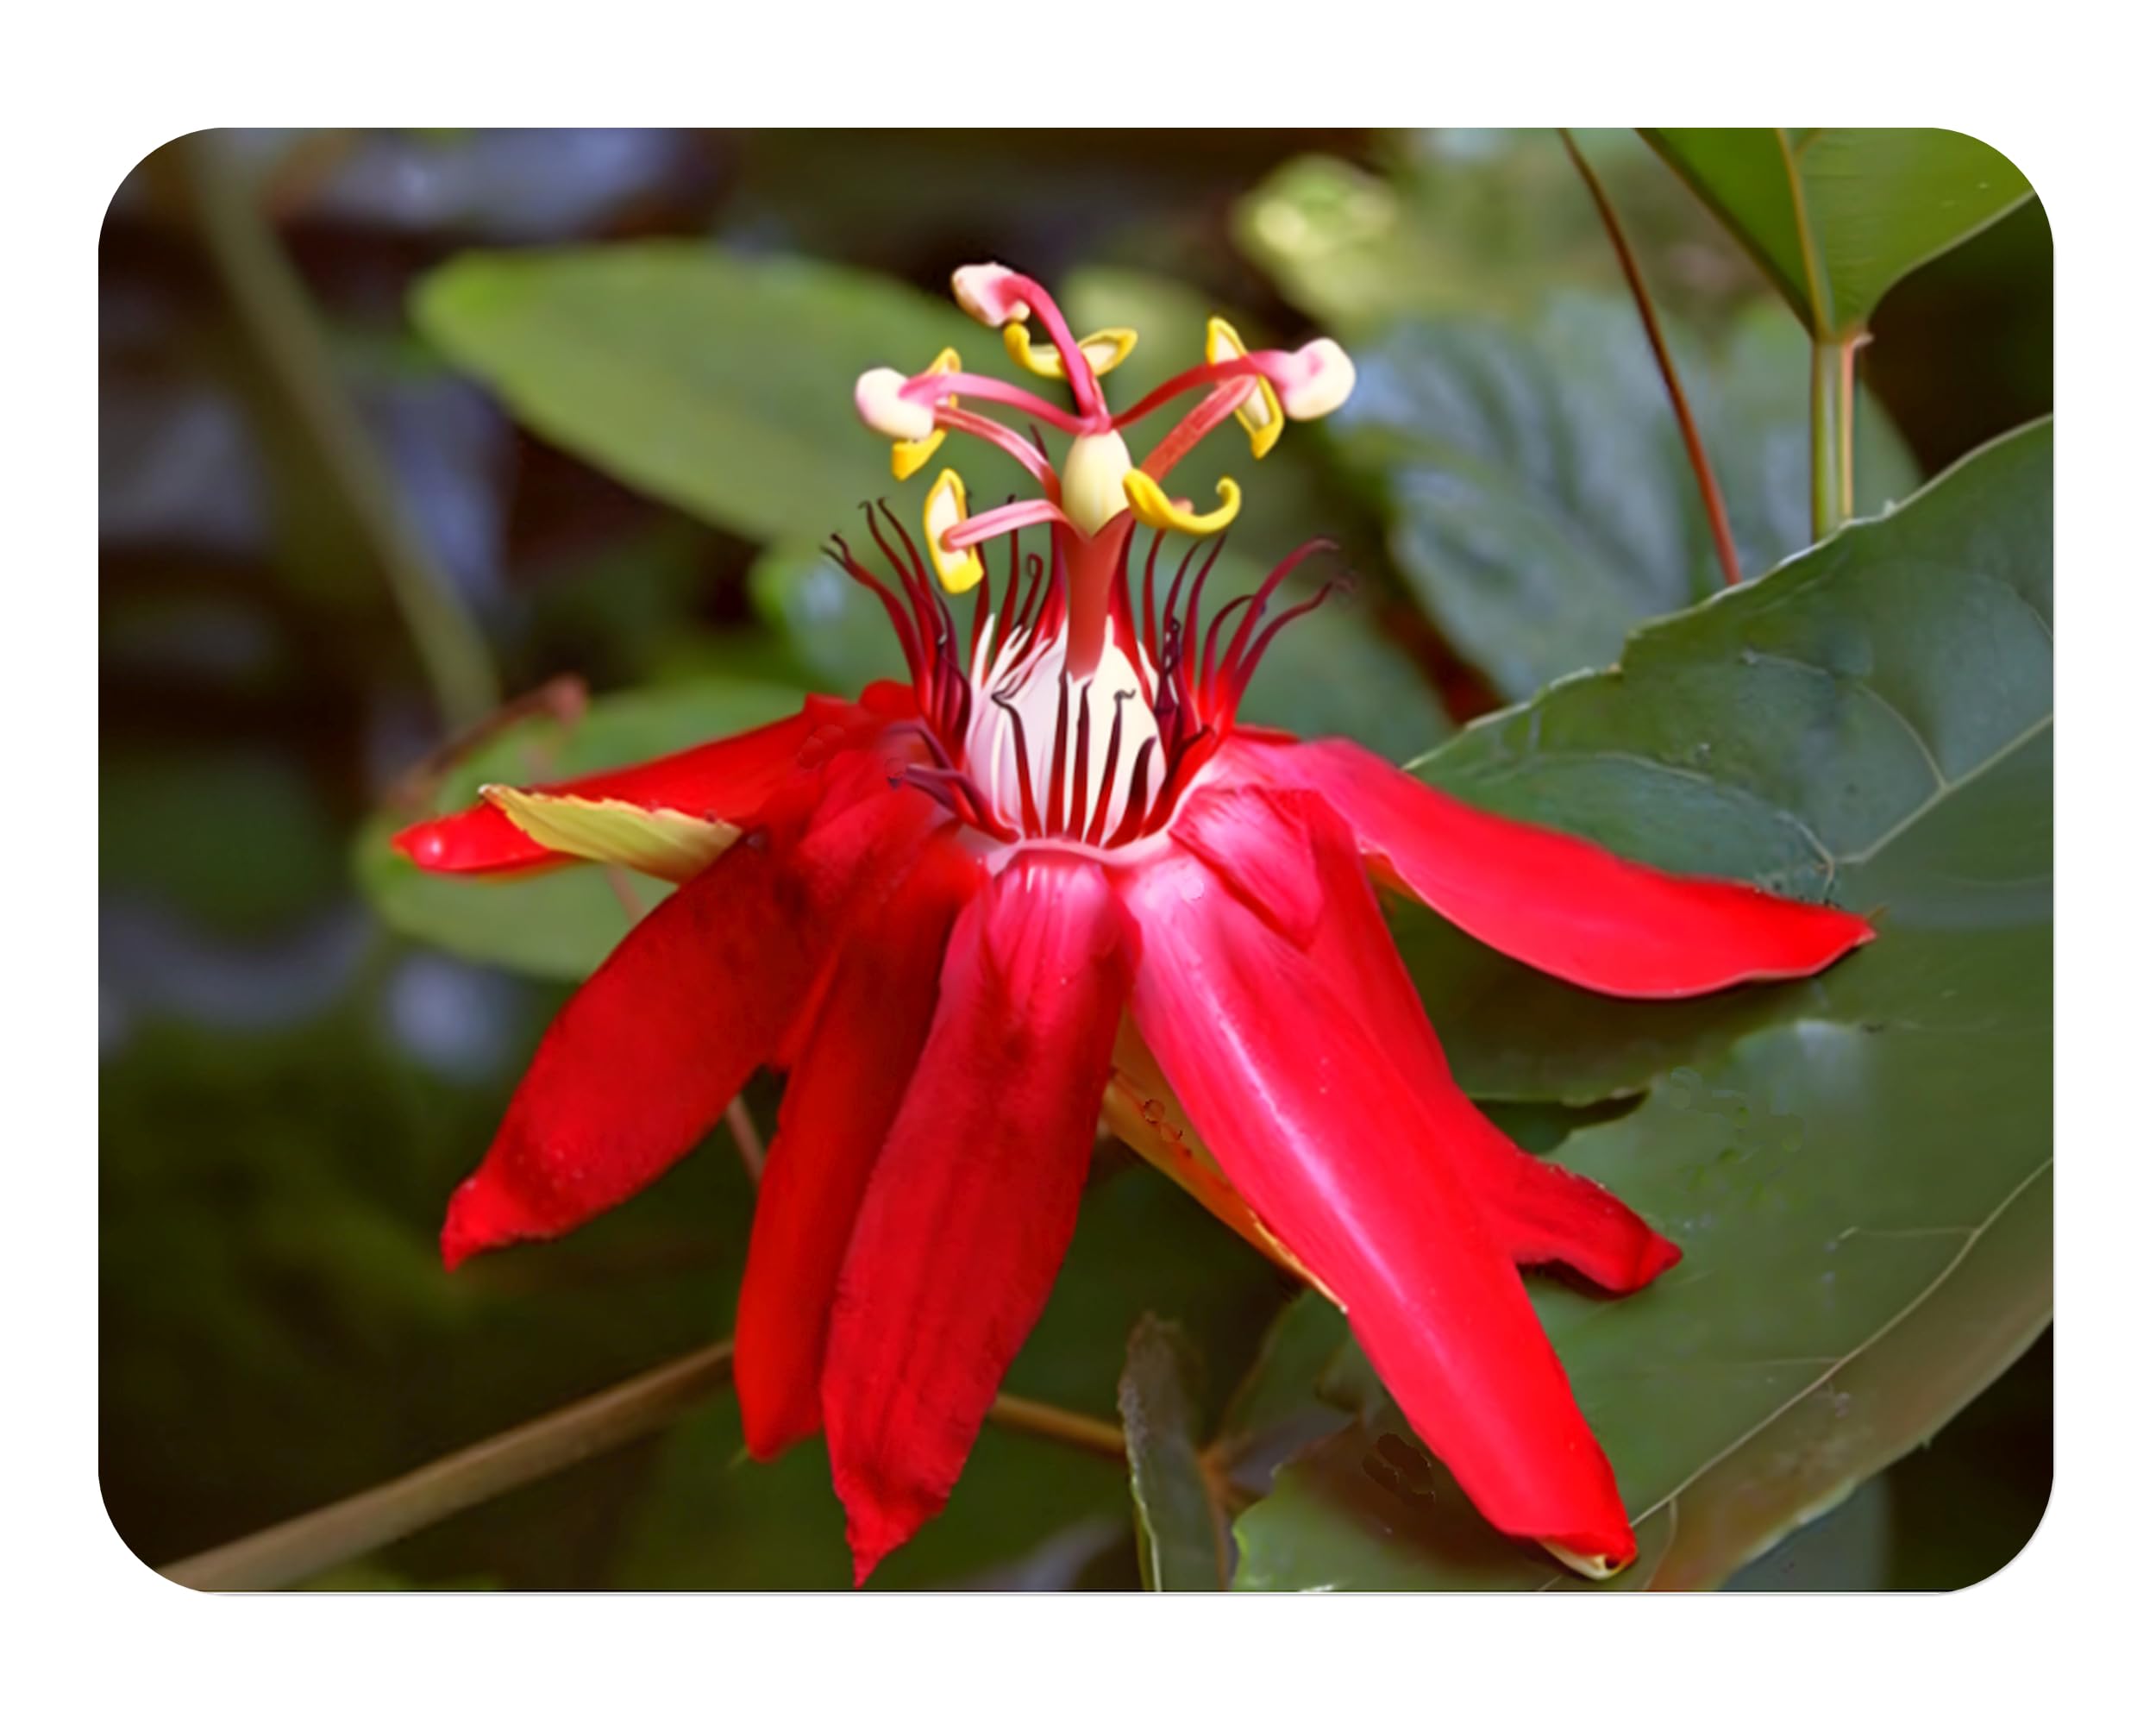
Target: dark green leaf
{"points": [[1836, 216], [1181, 1536], [560, 922], [1857, 1166], [1538, 495]]}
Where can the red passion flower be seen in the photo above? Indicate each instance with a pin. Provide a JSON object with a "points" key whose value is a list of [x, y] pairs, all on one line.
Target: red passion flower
{"points": [[1054, 871]]}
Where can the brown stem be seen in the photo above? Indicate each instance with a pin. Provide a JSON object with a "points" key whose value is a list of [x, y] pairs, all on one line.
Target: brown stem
{"points": [[292, 1551], [746, 1138], [1695, 452], [1039, 1419], [563, 699], [296, 1549]]}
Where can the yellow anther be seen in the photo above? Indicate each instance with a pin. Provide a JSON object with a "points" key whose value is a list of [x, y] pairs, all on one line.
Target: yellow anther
{"points": [[908, 458], [1104, 350], [959, 571], [1260, 414], [1153, 506]]}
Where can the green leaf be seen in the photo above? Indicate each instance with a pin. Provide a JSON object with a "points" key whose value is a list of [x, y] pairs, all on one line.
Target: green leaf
{"points": [[1283, 1385], [1538, 496], [723, 384], [1468, 221], [562, 923], [1857, 1166], [1182, 1540], [1835, 215]]}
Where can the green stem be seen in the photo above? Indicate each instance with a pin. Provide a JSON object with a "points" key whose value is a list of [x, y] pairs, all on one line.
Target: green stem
{"points": [[1833, 378], [1833, 431], [272, 307]]}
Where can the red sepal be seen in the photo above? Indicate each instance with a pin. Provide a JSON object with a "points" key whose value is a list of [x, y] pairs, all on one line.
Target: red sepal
{"points": [[646, 1053], [974, 1197], [1554, 901], [860, 1054], [1288, 845], [1304, 1112], [728, 780]]}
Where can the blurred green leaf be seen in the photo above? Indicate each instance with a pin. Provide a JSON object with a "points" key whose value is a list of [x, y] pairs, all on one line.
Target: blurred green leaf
{"points": [[1860, 1170], [1538, 495], [1835, 215], [721, 383], [1466, 222], [560, 922], [828, 620], [166, 828], [1183, 1541]]}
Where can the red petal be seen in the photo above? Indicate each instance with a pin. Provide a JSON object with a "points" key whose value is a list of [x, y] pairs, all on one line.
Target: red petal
{"points": [[1288, 843], [860, 1055], [1304, 1111], [1262, 855], [974, 1197], [647, 1053], [1540, 1211], [1558, 902], [728, 780]]}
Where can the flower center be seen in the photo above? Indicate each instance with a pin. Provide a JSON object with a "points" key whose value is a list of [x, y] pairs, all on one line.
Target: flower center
{"points": [[1064, 756]]}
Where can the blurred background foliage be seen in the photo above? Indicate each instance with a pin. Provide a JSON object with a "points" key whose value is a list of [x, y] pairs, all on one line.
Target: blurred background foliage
{"points": [[367, 468]]}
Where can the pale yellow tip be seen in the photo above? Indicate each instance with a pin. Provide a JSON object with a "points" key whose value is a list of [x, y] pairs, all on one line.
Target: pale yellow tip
{"points": [[1328, 376], [884, 410]]}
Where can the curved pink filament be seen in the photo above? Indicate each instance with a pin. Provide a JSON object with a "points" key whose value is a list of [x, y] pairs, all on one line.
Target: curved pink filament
{"points": [[992, 431], [1284, 569], [938, 385], [1276, 368], [1008, 518], [1092, 406], [1194, 426]]}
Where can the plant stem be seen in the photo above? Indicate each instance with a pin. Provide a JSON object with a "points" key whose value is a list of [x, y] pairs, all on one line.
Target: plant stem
{"points": [[1038, 1418], [1695, 450], [296, 1549], [272, 307], [292, 1551], [1833, 431], [747, 1140]]}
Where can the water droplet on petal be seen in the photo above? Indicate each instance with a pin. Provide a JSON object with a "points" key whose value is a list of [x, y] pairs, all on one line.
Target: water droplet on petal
{"points": [[1155, 1112]]}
